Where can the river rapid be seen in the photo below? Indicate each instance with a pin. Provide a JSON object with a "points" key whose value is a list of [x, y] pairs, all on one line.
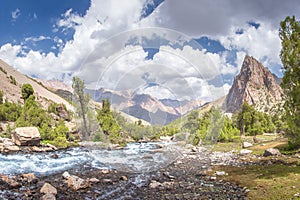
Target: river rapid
{"points": [[135, 157]]}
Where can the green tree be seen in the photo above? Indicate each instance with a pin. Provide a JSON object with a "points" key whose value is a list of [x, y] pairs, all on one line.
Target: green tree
{"points": [[33, 115], [290, 56], [83, 100], [27, 91], [107, 122]]}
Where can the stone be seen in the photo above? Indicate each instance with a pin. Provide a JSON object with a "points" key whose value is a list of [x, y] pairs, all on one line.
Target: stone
{"points": [[220, 173], [77, 183], [48, 189], [104, 171], [12, 148], [30, 177], [106, 180], [272, 152], [66, 175], [123, 178], [154, 184], [10, 181], [94, 180], [244, 152], [48, 197], [26, 136], [247, 145]]}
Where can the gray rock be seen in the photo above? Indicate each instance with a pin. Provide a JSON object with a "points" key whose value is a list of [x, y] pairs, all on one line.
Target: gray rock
{"points": [[244, 152], [246, 144], [272, 152]]}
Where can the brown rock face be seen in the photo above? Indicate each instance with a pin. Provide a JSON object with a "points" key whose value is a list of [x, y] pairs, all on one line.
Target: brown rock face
{"points": [[254, 85]]}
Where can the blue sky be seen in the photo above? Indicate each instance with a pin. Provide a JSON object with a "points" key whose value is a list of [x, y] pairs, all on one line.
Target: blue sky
{"points": [[188, 49]]}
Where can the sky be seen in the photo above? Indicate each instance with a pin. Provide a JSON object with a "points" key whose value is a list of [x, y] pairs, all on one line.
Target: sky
{"points": [[167, 48]]}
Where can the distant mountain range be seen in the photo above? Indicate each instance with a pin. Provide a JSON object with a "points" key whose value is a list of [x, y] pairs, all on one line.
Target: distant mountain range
{"points": [[145, 106]]}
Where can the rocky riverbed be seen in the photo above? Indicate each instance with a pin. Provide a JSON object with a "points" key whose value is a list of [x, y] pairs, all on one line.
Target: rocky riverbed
{"points": [[185, 178]]}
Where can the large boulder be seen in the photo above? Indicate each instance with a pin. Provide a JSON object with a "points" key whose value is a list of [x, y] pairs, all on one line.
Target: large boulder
{"points": [[26, 136]]}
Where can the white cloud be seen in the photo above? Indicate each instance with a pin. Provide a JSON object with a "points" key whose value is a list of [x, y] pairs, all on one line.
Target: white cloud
{"points": [[262, 43], [37, 39], [15, 14]]}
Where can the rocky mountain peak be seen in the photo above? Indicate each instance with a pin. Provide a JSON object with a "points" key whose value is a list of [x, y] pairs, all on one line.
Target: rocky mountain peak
{"points": [[254, 85]]}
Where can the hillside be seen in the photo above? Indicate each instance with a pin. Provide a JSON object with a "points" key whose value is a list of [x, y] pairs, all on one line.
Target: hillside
{"points": [[12, 81]]}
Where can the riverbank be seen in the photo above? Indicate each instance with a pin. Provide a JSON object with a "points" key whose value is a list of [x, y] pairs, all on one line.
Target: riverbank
{"points": [[219, 172]]}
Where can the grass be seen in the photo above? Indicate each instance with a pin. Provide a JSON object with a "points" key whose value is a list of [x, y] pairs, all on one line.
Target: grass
{"points": [[272, 178], [276, 181]]}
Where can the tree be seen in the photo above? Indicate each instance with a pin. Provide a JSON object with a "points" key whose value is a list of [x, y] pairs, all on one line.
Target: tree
{"points": [[107, 122], [290, 56], [27, 90], [83, 100]]}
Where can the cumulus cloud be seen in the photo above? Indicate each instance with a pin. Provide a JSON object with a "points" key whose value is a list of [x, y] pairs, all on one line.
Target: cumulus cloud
{"points": [[206, 17]]}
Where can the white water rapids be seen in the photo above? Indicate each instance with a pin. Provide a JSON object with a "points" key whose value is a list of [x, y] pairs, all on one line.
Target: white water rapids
{"points": [[135, 157]]}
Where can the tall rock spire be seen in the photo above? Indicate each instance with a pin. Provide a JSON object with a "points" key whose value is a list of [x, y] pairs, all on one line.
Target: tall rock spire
{"points": [[254, 85]]}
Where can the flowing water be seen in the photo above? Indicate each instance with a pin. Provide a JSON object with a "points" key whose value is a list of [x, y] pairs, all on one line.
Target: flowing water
{"points": [[135, 157]]}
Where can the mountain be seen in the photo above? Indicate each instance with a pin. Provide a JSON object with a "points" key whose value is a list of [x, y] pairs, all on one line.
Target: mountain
{"points": [[145, 106], [11, 82], [254, 85]]}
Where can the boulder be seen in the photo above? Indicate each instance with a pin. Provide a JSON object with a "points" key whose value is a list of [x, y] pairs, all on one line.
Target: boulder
{"points": [[48, 189], [246, 144], [244, 152], [272, 152], [26, 136]]}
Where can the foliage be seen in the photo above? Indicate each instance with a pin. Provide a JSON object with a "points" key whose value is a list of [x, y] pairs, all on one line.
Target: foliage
{"points": [[83, 100], [3, 70], [107, 122], [27, 91], [136, 131], [10, 111], [33, 115], [290, 57], [1, 97], [52, 108], [12, 80], [209, 128], [252, 122]]}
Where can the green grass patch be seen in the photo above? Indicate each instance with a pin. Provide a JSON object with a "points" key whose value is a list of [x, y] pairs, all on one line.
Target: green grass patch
{"points": [[277, 181]]}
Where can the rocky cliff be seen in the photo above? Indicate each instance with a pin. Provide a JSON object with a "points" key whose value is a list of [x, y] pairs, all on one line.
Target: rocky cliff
{"points": [[254, 85]]}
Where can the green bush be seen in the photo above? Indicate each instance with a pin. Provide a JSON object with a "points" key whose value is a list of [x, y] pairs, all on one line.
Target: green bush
{"points": [[10, 111], [27, 91]]}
